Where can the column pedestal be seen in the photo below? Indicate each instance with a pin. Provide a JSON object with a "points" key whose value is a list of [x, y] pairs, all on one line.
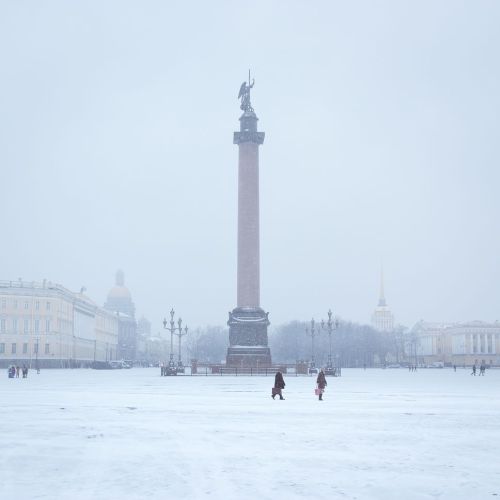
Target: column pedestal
{"points": [[248, 338]]}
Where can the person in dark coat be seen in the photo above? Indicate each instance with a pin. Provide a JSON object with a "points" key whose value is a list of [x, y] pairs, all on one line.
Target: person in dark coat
{"points": [[279, 385], [322, 383]]}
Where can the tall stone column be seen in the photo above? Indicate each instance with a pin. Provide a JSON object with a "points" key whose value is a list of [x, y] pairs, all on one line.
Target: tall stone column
{"points": [[248, 345]]}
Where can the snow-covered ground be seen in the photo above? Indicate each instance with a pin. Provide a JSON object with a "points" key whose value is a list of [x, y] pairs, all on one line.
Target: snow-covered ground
{"points": [[131, 434]]}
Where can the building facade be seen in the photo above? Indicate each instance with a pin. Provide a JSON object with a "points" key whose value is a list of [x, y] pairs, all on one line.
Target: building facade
{"points": [[459, 344], [46, 324]]}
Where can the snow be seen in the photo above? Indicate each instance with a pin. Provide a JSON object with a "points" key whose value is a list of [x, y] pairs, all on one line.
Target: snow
{"points": [[131, 434]]}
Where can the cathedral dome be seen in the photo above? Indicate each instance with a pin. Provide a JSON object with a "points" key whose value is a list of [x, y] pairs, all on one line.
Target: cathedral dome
{"points": [[119, 292], [119, 297]]}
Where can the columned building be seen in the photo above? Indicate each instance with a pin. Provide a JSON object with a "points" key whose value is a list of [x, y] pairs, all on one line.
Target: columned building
{"points": [[382, 317], [45, 324], [469, 343], [120, 302]]}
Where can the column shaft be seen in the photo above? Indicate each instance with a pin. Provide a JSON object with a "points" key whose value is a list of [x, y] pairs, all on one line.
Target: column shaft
{"points": [[248, 286]]}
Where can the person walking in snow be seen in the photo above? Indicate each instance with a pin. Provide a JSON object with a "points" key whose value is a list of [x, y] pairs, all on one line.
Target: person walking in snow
{"points": [[474, 369], [322, 383], [482, 369], [279, 385]]}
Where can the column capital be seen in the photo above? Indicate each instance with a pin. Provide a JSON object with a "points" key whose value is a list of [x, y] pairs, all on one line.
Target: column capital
{"points": [[248, 136]]}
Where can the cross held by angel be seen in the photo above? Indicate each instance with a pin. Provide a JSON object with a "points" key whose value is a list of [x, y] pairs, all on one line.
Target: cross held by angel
{"points": [[244, 94]]}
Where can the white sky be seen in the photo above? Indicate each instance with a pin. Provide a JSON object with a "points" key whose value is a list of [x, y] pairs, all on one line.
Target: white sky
{"points": [[382, 144]]}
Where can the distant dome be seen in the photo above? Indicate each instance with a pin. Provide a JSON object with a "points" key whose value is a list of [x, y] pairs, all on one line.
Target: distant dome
{"points": [[119, 297], [119, 292]]}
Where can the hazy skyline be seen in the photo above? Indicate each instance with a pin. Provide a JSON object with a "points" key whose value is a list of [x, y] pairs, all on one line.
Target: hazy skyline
{"points": [[382, 145]]}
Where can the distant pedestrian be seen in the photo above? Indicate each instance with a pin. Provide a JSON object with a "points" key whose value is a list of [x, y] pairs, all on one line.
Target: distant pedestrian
{"points": [[482, 369], [454, 368], [17, 371], [474, 369], [322, 383], [25, 371], [279, 385]]}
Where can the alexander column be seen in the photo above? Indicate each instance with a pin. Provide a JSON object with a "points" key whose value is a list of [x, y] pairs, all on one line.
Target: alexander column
{"points": [[248, 322]]}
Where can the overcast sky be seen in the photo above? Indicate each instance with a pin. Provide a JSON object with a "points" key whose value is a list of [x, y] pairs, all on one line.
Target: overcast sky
{"points": [[382, 145]]}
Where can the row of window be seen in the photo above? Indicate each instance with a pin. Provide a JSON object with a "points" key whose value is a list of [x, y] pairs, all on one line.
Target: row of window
{"points": [[37, 325], [15, 304], [13, 348]]}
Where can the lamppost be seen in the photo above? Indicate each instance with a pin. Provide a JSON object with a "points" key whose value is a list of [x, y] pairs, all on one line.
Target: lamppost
{"points": [[312, 333], [330, 326], [36, 354], [171, 369], [180, 333]]}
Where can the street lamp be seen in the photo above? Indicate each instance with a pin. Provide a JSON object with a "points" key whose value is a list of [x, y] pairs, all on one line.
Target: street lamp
{"points": [[36, 354], [180, 333], [171, 364], [174, 330], [312, 333], [330, 326]]}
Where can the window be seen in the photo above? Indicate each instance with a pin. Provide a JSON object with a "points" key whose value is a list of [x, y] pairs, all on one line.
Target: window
{"points": [[14, 348], [37, 325], [2, 326], [47, 325], [47, 351], [48, 306], [25, 348], [26, 326], [14, 325], [35, 348], [2, 348], [37, 305], [26, 305]]}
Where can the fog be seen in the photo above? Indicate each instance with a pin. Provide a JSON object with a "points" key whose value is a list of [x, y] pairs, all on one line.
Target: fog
{"points": [[382, 146]]}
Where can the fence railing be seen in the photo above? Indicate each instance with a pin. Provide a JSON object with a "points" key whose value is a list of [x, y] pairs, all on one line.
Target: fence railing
{"points": [[221, 371]]}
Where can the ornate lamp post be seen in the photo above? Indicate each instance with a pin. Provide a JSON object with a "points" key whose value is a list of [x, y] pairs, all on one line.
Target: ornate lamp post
{"points": [[36, 354], [330, 326], [312, 333], [180, 333], [171, 369]]}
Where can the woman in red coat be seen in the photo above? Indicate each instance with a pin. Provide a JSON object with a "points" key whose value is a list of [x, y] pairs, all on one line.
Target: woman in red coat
{"points": [[322, 383]]}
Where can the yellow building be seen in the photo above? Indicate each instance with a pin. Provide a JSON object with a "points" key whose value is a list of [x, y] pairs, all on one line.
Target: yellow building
{"points": [[47, 324], [474, 342]]}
